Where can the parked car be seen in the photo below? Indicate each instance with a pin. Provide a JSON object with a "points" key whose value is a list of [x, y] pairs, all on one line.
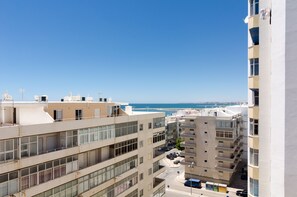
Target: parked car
{"points": [[174, 155], [176, 162], [241, 193], [193, 183]]}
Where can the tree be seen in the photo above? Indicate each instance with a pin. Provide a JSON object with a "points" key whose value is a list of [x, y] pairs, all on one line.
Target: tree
{"points": [[178, 142]]}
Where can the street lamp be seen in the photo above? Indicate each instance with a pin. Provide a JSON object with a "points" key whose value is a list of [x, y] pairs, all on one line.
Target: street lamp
{"points": [[191, 166]]}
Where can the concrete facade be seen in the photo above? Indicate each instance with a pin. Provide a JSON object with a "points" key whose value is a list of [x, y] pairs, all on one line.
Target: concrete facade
{"points": [[272, 170], [213, 144], [79, 153]]}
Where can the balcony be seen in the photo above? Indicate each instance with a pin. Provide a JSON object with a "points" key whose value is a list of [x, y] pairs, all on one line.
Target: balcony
{"points": [[224, 138], [158, 154], [188, 125], [157, 168], [190, 154], [191, 135], [224, 148], [157, 181], [226, 158], [186, 162], [188, 144], [231, 168]]}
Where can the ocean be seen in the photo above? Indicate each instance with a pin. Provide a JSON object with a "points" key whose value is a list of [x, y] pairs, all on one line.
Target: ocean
{"points": [[170, 108]]}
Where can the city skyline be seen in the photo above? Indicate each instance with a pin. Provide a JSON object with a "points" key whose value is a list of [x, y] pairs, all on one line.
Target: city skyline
{"points": [[141, 52]]}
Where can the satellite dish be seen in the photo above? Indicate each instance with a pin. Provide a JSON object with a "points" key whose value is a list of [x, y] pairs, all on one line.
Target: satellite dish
{"points": [[264, 13], [246, 20]]}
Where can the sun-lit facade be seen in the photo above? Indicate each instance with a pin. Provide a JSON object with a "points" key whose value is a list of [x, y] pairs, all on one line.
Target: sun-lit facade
{"points": [[78, 147], [272, 93]]}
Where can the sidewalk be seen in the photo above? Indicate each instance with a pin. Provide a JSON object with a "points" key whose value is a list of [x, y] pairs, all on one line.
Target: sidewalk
{"points": [[181, 179]]}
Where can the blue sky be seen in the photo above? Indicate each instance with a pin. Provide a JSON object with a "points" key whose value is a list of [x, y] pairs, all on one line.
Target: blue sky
{"points": [[130, 50]]}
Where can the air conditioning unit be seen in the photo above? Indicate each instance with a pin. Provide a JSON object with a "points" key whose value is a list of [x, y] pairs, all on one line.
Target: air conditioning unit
{"points": [[43, 98]]}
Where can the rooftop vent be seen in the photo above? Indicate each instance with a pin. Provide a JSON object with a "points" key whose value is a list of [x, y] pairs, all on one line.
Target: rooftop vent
{"points": [[42, 98], [7, 97]]}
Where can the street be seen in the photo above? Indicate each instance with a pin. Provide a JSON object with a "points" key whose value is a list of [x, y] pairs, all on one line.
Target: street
{"points": [[175, 181]]}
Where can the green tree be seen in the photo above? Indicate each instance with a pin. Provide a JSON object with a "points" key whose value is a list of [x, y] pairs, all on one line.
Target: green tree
{"points": [[178, 142]]}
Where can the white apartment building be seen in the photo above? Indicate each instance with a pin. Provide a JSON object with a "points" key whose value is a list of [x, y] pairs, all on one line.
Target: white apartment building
{"points": [[78, 147], [272, 86], [213, 144], [243, 110], [172, 129]]}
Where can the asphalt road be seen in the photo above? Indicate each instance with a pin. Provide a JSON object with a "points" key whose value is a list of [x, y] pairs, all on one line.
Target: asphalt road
{"points": [[175, 180]]}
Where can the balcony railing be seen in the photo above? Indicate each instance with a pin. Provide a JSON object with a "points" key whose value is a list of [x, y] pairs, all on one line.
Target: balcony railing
{"points": [[191, 154], [192, 135], [225, 148], [226, 158], [188, 162], [226, 169], [188, 144], [159, 167], [230, 169], [158, 153], [158, 181], [188, 125]]}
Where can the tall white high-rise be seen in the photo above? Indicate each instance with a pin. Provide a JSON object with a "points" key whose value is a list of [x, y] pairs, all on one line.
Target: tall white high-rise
{"points": [[272, 86]]}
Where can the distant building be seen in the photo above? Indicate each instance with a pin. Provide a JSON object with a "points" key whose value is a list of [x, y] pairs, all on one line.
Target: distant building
{"points": [[172, 130], [213, 144], [243, 110], [78, 147]]}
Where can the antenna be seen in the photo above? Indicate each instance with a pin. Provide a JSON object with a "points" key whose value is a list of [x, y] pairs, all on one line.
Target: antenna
{"points": [[22, 91]]}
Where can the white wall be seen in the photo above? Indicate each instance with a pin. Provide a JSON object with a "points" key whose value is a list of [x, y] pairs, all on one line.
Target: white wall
{"points": [[265, 103], [290, 99], [243, 109], [33, 115], [277, 73]]}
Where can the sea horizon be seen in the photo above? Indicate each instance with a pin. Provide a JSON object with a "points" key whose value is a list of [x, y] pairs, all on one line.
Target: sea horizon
{"points": [[171, 108]]}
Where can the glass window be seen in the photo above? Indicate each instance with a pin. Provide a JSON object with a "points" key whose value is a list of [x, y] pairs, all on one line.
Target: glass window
{"points": [[256, 97], [254, 7], [254, 126], [159, 122], [254, 187], [8, 150], [58, 115], [254, 67], [140, 127], [78, 114], [254, 157]]}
